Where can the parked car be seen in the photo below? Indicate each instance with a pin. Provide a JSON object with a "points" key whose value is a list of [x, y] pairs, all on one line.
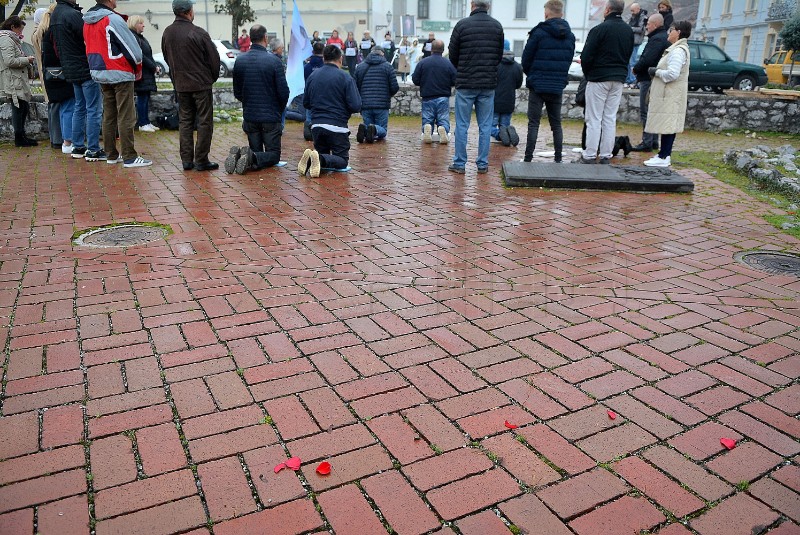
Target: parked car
{"points": [[227, 57], [780, 65], [575, 71], [711, 67]]}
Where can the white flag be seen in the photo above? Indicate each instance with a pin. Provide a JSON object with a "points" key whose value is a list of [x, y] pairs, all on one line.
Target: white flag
{"points": [[299, 49]]}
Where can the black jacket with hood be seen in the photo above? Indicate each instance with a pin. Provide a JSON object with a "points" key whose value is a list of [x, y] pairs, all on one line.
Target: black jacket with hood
{"points": [[66, 23], [548, 56], [509, 79]]}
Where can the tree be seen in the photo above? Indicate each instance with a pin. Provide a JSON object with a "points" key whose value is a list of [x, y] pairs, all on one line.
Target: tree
{"points": [[790, 34], [240, 12], [21, 6]]}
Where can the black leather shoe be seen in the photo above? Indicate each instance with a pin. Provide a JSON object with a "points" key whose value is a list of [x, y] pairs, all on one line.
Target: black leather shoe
{"points": [[361, 133], [188, 166], [209, 166], [641, 147], [627, 148]]}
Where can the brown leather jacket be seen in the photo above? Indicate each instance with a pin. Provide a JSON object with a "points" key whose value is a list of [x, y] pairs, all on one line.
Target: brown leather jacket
{"points": [[191, 55]]}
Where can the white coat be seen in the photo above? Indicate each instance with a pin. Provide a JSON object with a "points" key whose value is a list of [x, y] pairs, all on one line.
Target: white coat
{"points": [[669, 91]]}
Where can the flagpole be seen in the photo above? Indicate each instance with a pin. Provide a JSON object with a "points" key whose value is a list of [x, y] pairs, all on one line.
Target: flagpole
{"points": [[283, 19]]}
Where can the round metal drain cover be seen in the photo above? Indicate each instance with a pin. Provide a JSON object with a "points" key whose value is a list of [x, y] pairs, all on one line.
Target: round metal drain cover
{"points": [[771, 262], [121, 236]]}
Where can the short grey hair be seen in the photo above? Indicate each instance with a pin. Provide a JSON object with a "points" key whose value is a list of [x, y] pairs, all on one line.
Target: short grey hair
{"points": [[275, 44], [484, 4], [616, 6]]}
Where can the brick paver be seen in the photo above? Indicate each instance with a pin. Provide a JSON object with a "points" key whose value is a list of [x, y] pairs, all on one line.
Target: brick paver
{"points": [[451, 347]]}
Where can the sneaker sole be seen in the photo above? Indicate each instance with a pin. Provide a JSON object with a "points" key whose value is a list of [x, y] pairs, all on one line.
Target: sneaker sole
{"points": [[231, 160], [361, 134], [130, 165], [77, 155], [513, 136], [243, 164], [302, 165], [315, 165], [426, 134], [444, 139], [94, 159], [111, 162]]}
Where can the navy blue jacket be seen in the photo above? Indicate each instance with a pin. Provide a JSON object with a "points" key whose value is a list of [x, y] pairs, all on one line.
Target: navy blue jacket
{"points": [[314, 63], [331, 95], [260, 83], [656, 45], [435, 76], [476, 48], [376, 82], [509, 79], [548, 56], [607, 51]]}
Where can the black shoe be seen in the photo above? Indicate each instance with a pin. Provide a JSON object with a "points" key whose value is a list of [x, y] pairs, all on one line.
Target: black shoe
{"points": [[513, 136], [361, 134], [232, 159], [371, 133], [26, 143], [584, 160], [78, 153], [641, 147], [188, 166], [459, 170], [245, 160], [605, 161], [96, 156], [55, 146], [208, 166], [307, 132], [617, 146], [505, 137], [483, 170], [627, 147]]}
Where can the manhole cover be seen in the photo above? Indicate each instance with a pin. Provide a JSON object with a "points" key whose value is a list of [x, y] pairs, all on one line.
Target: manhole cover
{"points": [[121, 236], [770, 262]]}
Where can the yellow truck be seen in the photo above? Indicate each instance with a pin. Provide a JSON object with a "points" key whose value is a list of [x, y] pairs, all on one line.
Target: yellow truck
{"points": [[781, 65]]}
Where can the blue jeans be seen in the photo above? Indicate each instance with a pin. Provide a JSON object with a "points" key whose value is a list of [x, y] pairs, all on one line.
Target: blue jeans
{"points": [[483, 101], [88, 115], [436, 112], [631, 78], [380, 118], [500, 119], [65, 113], [143, 108]]}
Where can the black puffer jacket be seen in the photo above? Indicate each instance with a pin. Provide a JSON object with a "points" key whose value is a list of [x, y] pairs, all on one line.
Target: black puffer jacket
{"points": [[476, 48], [548, 55], [509, 79], [607, 50], [66, 22], [57, 90], [260, 84], [656, 45], [376, 82], [147, 82]]}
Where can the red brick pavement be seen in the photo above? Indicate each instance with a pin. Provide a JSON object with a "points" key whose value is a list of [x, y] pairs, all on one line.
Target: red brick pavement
{"points": [[453, 349]]}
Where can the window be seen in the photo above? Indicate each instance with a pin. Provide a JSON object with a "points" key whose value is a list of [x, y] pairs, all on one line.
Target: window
{"points": [[707, 9], [769, 45], [723, 40], [522, 9], [519, 48], [751, 5], [456, 9], [713, 53], [744, 51], [423, 9], [726, 7]]}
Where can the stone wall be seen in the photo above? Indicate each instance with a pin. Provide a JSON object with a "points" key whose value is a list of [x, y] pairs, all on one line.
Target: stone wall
{"points": [[706, 111]]}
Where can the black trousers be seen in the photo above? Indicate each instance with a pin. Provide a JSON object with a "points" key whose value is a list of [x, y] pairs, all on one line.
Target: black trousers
{"points": [[265, 142], [552, 102], [196, 107], [18, 116], [333, 147]]}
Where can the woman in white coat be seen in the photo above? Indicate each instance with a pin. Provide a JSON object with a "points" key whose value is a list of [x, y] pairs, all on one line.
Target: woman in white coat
{"points": [[668, 93]]}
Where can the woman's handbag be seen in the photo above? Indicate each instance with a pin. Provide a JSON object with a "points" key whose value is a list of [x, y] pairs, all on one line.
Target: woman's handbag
{"points": [[580, 94], [54, 73]]}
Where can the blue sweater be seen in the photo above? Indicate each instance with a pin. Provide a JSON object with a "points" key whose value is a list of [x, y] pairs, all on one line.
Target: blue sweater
{"points": [[260, 83], [435, 76], [331, 95], [376, 82], [548, 55], [314, 63]]}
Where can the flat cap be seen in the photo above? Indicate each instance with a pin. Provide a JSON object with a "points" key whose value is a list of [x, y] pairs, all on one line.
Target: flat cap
{"points": [[182, 5]]}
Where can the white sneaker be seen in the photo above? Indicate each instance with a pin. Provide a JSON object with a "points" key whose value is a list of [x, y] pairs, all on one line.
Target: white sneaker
{"points": [[154, 127], [147, 128], [426, 134], [137, 162], [444, 138], [655, 161], [67, 149], [577, 149], [111, 162], [316, 165]]}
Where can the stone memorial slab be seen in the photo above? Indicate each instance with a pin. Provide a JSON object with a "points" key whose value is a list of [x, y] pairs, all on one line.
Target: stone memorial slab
{"points": [[599, 177]]}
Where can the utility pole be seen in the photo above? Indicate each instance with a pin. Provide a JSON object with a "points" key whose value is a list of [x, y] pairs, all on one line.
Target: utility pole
{"points": [[283, 19], [208, 27]]}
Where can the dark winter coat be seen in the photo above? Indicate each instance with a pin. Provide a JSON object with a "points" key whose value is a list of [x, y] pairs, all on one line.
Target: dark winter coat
{"points": [[656, 45], [476, 48], [314, 63], [608, 50], [191, 55], [637, 23], [376, 82], [260, 84], [548, 55], [147, 82], [66, 23], [57, 90], [509, 79], [435, 76], [669, 18], [331, 95]]}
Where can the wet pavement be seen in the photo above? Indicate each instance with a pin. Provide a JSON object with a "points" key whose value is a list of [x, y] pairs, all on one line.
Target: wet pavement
{"points": [[467, 358]]}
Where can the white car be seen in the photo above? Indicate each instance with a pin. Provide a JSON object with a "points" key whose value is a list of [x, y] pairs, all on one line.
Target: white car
{"points": [[227, 57], [575, 71]]}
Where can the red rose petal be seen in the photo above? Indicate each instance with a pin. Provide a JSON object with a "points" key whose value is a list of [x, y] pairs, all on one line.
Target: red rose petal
{"points": [[728, 443], [324, 468], [279, 467], [612, 415], [510, 425], [293, 463]]}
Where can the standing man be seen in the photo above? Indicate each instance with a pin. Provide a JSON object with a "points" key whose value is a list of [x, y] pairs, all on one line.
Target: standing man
{"points": [[194, 67], [656, 45], [435, 77], [546, 61], [376, 82], [66, 24], [637, 22], [604, 61], [331, 96], [260, 84], [115, 59], [476, 48], [427, 46]]}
